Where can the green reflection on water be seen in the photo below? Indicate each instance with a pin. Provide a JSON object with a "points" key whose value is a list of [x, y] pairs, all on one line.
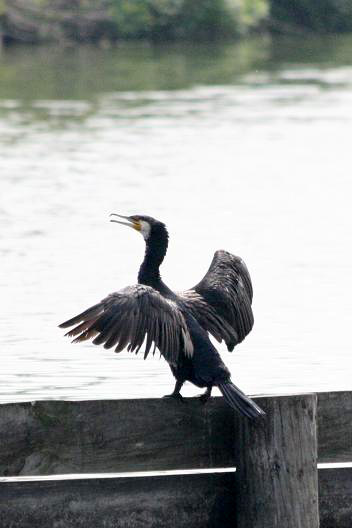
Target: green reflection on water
{"points": [[57, 87], [32, 73], [83, 72]]}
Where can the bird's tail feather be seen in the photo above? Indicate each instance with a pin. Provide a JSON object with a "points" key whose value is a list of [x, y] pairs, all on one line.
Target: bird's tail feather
{"points": [[239, 401]]}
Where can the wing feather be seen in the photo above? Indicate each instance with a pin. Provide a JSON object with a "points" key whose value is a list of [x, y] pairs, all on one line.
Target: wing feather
{"points": [[132, 316], [221, 301]]}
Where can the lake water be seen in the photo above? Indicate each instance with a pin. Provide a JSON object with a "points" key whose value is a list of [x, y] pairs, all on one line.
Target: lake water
{"points": [[245, 147]]}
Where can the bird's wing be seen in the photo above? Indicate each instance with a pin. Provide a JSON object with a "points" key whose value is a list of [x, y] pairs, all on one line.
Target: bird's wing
{"points": [[125, 318], [221, 301]]}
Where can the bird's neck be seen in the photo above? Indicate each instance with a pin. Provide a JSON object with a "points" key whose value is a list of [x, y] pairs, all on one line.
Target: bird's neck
{"points": [[155, 252]]}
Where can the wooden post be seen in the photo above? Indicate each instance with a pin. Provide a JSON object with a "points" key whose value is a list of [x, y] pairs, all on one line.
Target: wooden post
{"points": [[277, 479]]}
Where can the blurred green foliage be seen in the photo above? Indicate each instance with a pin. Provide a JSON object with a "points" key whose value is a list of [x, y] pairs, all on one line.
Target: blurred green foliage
{"points": [[2, 8], [321, 16], [34, 20], [173, 19], [109, 20], [187, 19]]}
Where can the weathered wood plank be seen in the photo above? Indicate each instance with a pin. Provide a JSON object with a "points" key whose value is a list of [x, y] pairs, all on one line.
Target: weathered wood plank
{"points": [[335, 497], [139, 435], [276, 466], [335, 427], [56, 437], [191, 501]]}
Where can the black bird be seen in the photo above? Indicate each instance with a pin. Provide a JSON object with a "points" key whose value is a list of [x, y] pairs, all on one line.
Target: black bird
{"points": [[177, 323]]}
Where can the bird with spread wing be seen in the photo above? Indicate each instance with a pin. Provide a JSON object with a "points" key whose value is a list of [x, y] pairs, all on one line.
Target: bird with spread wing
{"points": [[177, 324]]}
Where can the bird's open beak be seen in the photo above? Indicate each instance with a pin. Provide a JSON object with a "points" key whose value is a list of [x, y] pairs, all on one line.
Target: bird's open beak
{"points": [[135, 224]]}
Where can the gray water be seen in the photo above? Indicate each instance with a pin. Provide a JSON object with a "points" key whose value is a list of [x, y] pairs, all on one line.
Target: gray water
{"points": [[245, 147]]}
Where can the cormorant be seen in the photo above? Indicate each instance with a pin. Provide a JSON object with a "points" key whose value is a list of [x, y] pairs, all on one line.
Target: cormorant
{"points": [[177, 323]]}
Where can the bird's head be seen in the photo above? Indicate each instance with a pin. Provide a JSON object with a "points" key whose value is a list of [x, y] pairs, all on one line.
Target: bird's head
{"points": [[146, 225]]}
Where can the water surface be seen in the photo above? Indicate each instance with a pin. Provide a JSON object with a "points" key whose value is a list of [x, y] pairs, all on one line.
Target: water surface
{"points": [[245, 147]]}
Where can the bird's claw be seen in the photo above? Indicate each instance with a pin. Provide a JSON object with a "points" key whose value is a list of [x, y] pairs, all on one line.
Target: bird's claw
{"points": [[203, 398], [175, 396]]}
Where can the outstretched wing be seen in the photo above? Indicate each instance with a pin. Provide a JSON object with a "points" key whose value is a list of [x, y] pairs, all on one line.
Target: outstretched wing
{"points": [[221, 301], [127, 317]]}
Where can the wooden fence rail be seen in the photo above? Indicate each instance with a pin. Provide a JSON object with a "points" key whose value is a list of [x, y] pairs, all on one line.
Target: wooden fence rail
{"points": [[58, 437], [55, 437], [177, 501]]}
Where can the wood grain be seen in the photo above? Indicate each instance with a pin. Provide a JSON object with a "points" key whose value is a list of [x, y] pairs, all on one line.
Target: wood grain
{"points": [[277, 466], [56, 437], [191, 501], [335, 497], [335, 427]]}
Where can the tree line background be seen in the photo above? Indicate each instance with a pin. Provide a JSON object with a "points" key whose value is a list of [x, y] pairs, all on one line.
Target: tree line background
{"points": [[111, 20]]}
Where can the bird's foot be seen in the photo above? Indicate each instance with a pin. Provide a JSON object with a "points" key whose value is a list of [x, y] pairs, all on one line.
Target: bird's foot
{"points": [[203, 398], [175, 396]]}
